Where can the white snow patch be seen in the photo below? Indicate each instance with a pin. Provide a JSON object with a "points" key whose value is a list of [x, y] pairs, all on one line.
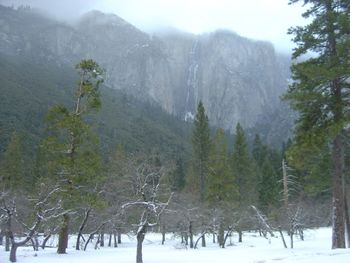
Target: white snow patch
{"points": [[189, 116], [254, 249]]}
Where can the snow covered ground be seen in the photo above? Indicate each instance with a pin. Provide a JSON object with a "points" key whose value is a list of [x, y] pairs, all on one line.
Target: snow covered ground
{"points": [[254, 249]]}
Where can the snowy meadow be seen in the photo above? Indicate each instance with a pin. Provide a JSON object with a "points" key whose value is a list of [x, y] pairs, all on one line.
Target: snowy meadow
{"points": [[253, 249]]}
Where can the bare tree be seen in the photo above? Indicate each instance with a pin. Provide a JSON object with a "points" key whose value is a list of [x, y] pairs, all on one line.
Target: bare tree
{"points": [[41, 207], [146, 176]]}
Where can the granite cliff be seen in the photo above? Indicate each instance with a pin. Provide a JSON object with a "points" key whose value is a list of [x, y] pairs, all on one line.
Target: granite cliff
{"points": [[238, 80]]}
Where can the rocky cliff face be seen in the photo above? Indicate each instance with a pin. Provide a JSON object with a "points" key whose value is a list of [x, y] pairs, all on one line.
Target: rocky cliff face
{"points": [[236, 78]]}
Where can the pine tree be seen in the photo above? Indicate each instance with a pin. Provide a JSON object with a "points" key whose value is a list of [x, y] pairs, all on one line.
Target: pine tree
{"points": [[319, 92], [72, 147], [201, 148], [259, 151], [267, 168], [242, 169], [178, 179], [12, 169], [268, 187], [221, 187]]}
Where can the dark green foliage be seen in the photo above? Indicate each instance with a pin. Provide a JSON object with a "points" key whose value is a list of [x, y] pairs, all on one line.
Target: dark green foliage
{"points": [[178, 175], [201, 147], [13, 175], [242, 169], [72, 149], [313, 95], [268, 187], [268, 173], [27, 91], [221, 185], [30, 88], [319, 93], [90, 80], [317, 181]]}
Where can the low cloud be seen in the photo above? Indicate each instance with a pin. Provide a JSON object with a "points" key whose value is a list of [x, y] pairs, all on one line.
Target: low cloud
{"points": [[257, 19]]}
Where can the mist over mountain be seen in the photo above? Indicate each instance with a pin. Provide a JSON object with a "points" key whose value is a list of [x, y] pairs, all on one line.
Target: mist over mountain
{"points": [[238, 80]]}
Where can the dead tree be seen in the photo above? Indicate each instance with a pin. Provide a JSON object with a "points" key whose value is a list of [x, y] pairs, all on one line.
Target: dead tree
{"points": [[264, 227], [292, 213]]}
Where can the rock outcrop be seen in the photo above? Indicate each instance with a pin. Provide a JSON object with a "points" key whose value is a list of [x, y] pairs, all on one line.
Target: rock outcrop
{"points": [[238, 80]]}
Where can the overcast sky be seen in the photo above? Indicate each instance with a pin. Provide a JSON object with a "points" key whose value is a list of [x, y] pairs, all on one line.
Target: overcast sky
{"points": [[256, 19]]}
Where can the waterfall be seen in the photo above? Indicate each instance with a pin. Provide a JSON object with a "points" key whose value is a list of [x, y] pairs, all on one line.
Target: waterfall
{"points": [[192, 82]]}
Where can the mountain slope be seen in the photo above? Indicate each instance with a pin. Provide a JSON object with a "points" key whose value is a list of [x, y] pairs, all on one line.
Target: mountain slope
{"points": [[237, 79], [29, 89]]}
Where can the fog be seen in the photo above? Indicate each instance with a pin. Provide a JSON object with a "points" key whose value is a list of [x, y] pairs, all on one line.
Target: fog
{"points": [[257, 19]]}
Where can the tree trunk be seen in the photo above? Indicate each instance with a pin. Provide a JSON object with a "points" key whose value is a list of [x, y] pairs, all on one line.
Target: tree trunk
{"points": [[163, 237], [63, 236], [13, 252], [338, 233], [140, 237], [214, 240], [229, 232], [35, 243], [110, 240], [191, 234], [102, 238], [115, 239], [7, 243], [221, 235], [8, 232], [46, 238], [240, 234], [282, 236], [119, 237], [347, 219], [186, 238], [195, 244], [204, 243], [87, 241], [285, 184], [81, 228], [91, 236], [98, 241], [1, 238]]}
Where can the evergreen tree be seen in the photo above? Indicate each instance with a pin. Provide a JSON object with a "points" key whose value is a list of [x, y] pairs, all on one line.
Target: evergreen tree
{"points": [[267, 169], [178, 179], [268, 187], [259, 151], [242, 169], [221, 187], [319, 92], [201, 148], [12, 169], [117, 166], [72, 148]]}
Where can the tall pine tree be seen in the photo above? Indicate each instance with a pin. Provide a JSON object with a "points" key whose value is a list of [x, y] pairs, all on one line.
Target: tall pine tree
{"points": [[221, 185], [266, 172], [72, 146], [242, 169], [201, 148], [319, 92]]}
